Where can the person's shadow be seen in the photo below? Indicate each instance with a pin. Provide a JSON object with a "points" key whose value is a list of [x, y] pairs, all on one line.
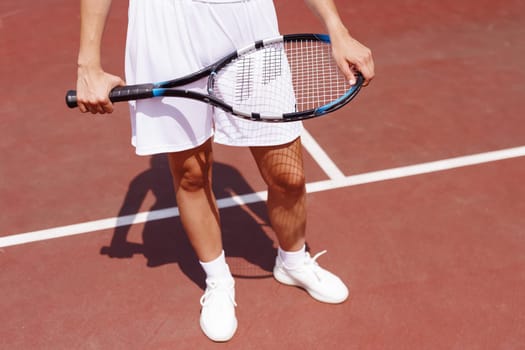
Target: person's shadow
{"points": [[244, 230]]}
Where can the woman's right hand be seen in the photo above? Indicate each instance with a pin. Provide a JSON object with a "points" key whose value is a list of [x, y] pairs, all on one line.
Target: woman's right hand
{"points": [[93, 87]]}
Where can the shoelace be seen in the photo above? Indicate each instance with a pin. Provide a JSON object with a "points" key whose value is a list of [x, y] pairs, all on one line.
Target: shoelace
{"points": [[310, 263], [313, 261], [213, 287]]}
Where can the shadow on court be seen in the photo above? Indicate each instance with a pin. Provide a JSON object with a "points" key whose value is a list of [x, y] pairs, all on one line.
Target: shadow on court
{"points": [[249, 249]]}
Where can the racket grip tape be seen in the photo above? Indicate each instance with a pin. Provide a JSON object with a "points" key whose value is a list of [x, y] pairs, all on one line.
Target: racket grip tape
{"points": [[118, 94]]}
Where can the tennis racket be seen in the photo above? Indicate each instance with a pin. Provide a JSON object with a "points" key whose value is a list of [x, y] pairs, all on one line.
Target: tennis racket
{"points": [[287, 78]]}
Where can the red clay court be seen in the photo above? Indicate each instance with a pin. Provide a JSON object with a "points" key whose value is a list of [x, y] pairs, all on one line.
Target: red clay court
{"points": [[416, 192]]}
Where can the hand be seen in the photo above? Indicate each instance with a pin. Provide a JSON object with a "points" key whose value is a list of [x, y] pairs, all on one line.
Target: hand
{"points": [[351, 55], [93, 87]]}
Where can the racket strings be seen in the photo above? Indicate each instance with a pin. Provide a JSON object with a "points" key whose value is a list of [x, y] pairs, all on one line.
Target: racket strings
{"points": [[281, 78], [257, 82], [244, 79], [272, 64], [316, 78]]}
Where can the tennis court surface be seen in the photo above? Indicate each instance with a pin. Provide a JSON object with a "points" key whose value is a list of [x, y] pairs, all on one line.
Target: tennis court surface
{"points": [[415, 190]]}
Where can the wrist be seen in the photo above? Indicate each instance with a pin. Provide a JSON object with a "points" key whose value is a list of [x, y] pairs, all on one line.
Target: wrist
{"points": [[88, 57], [88, 65], [337, 28]]}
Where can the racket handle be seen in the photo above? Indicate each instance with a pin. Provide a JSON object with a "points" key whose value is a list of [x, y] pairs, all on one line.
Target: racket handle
{"points": [[118, 94], [71, 99]]}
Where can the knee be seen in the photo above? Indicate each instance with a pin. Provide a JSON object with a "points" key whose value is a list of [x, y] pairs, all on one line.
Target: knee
{"points": [[192, 180], [289, 183], [191, 169], [191, 176]]}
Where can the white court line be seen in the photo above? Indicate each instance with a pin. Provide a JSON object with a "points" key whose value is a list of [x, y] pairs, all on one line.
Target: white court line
{"points": [[388, 174], [319, 155]]}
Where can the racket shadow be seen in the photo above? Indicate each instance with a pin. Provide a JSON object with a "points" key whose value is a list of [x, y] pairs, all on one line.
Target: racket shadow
{"points": [[249, 248]]}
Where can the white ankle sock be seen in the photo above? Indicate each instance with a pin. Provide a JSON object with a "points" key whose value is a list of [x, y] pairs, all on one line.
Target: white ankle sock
{"points": [[217, 268], [292, 260]]}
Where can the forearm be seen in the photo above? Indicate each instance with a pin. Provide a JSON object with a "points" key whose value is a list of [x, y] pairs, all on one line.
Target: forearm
{"points": [[93, 84], [93, 15], [327, 12], [347, 51]]}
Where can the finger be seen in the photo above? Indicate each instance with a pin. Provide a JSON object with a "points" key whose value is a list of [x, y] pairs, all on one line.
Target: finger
{"points": [[346, 69], [355, 72], [100, 109], [350, 76], [82, 108], [353, 79], [107, 107], [368, 74], [370, 69], [92, 108]]}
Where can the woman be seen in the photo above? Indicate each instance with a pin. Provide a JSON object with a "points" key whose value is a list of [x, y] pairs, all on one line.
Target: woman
{"points": [[172, 38]]}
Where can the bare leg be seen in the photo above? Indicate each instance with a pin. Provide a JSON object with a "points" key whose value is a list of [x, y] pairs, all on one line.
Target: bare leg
{"points": [[282, 169], [191, 171]]}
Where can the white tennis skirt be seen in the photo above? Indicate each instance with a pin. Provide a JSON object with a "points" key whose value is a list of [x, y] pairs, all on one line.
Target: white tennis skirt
{"points": [[168, 39]]}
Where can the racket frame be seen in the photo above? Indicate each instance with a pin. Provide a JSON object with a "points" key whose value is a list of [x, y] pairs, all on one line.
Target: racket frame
{"points": [[169, 88]]}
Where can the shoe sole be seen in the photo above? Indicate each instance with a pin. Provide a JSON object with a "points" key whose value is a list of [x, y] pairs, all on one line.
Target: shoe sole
{"points": [[285, 279], [220, 339]]}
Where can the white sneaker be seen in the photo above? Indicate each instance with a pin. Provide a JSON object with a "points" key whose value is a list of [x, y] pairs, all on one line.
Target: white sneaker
{"points": [[321, 284], [218, 319]]}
